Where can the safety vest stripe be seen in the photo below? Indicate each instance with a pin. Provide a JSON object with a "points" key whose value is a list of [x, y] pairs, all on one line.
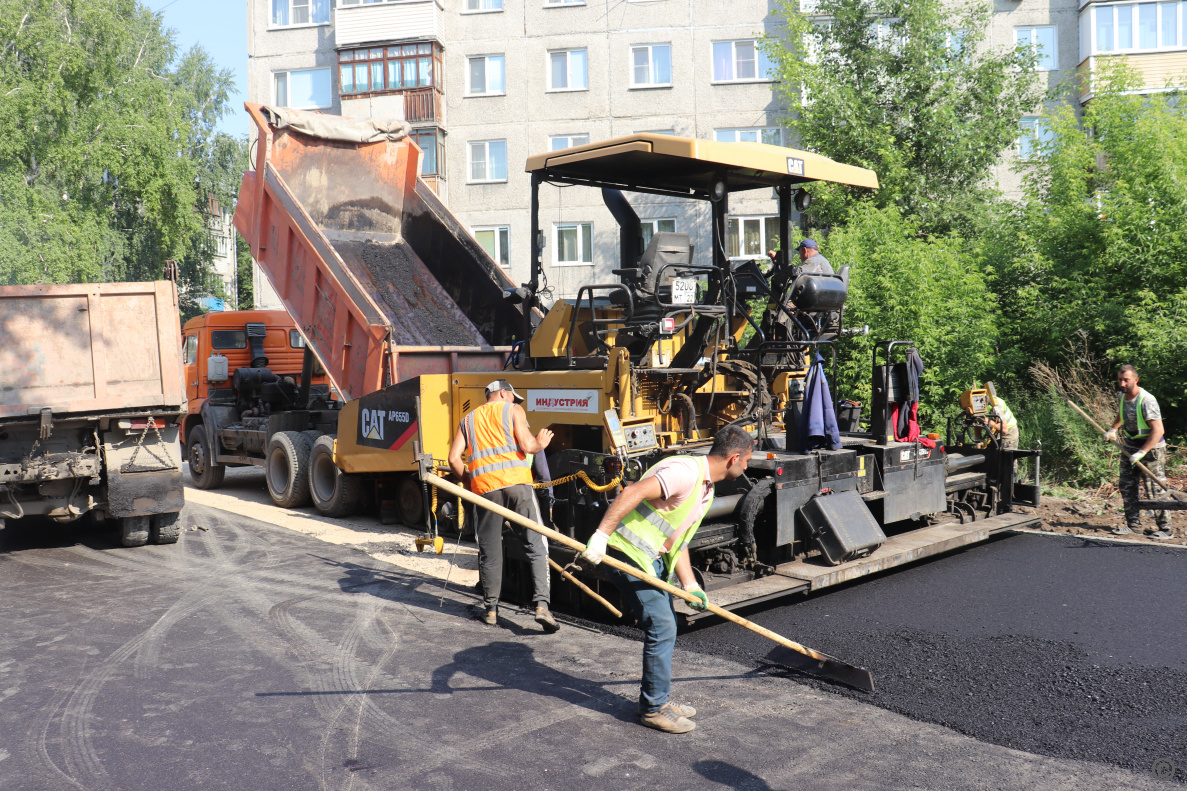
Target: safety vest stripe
{"points": [[637, 541], [482, 469], [647, 512], [482, 454], [1143, 426]]}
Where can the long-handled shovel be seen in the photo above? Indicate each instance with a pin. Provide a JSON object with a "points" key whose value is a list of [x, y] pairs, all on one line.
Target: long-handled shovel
{"points": [[1175, 493], [789, 652]]}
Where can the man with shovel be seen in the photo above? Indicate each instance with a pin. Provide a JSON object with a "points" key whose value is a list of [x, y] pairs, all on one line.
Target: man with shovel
{"points": [[1140, 421], [649, 526]]}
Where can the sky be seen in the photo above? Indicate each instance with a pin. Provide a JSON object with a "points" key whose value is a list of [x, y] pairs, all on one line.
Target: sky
{"points": [[220, 27]]}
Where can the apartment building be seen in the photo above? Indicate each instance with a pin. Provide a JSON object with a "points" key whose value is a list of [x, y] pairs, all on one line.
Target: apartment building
{"points": [[486, 83]]}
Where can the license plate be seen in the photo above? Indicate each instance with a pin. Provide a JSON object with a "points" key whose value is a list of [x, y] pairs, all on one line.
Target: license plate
{"points": [[684, 291]]}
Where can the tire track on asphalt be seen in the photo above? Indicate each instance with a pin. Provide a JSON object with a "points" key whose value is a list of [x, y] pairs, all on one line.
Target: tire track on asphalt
{"points": [[39, 735]]}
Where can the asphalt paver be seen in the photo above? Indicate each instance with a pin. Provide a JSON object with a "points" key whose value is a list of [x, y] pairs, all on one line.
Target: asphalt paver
{"points": [[1059, 645], [250, 656]]}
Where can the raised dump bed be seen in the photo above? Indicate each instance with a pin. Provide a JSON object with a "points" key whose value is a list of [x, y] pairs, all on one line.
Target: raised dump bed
{"points": [[383, 281]]}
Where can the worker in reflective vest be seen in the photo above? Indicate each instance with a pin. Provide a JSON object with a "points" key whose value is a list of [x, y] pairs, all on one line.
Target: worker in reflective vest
{"points": [[498, 441], [649, 526], [1139, 418], [1003, 423]]}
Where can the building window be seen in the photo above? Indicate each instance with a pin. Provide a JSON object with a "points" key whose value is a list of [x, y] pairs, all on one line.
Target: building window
{"points": [[484, 5], [495, 240], [486, 76], [651, 65], [651, 227], [557, 142], [752, 236], [400, 67], [566, 70], [286, 13], [432, 163], [1033, 135], [771, 135], [302, 90], [1042, 40], [488, 161], [573, 243], [739, 61], [1126, 28], [564, 2]]}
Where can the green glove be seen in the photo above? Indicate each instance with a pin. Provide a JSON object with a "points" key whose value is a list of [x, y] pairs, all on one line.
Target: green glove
{"points": [[701, 605]]}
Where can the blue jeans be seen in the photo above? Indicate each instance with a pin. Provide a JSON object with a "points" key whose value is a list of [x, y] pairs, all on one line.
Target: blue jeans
{"points": [[654, 610]]}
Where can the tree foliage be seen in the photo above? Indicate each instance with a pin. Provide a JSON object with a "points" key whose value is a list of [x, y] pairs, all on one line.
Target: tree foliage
{"points": [[1099, 246], [108, 149], [908, 88]]}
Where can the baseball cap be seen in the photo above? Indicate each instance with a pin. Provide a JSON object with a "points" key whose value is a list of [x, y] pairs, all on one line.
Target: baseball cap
{"points": [[809, 243], [502, 384]]}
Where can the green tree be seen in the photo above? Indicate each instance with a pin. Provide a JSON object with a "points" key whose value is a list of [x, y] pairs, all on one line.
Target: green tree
{"points": [[1099, 246], [107, 145], [909, 89], [907, 286]]}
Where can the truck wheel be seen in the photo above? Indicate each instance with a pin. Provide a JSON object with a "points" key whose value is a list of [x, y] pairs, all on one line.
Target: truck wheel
{"points": [[165, 528], [134, 530], [313, 435], [286, 466], [410, 501], [204, 472], [334, 492]]}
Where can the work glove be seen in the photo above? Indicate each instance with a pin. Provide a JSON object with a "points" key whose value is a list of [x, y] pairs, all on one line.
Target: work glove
{"points": [[1111, 435], [695, 590], [1135, 458], [595, 551]]}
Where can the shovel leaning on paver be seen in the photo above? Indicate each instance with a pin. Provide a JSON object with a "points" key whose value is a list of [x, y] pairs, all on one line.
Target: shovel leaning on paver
{"points": [[1179, 499], [788, 652]]}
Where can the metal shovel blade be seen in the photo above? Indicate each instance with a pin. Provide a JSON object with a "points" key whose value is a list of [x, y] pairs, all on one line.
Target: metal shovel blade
{"points": [[830, 668]]}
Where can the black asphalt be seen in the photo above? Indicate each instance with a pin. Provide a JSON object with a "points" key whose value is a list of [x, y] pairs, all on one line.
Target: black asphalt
{"points": [[1063, 646]]}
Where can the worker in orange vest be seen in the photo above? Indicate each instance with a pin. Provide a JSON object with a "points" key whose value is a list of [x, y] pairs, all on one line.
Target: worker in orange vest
{"points": [[497, 439]]}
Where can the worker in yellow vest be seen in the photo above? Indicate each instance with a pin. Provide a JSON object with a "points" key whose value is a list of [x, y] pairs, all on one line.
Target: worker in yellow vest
{"points": [[1139, 425], [649, 526], [498, 441], [1003, 423]]}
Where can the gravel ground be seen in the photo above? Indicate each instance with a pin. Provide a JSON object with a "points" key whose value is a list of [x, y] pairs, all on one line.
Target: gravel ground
{"points": [[1063, 646]]}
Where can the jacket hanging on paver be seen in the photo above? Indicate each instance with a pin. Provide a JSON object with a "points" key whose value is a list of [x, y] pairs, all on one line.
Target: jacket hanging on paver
{"points": [[906, 424], [818, 422]]}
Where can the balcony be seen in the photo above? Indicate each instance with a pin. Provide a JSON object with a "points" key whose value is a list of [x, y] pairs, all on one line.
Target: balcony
{"points": [[422, 105], [389, 21]]}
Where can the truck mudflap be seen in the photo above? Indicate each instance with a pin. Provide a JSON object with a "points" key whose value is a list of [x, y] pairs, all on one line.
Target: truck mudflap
{"points": [[144, 471]]}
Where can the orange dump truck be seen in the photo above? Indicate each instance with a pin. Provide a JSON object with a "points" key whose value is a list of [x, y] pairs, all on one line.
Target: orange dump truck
{"points": [[383, 284], [90, 398]]}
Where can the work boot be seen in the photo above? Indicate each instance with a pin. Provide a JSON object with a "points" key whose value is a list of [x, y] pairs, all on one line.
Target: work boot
{"points": [[668, 720], [1122, 530], [677, 710], [488, 615], [1161, 535], [544, 617]]}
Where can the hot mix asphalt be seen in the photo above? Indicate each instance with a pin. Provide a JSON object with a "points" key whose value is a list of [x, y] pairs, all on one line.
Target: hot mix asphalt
{"points": [[1063, 646]]}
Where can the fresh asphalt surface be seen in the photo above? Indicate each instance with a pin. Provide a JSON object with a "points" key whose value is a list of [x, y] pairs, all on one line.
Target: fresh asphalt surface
{"points": [[248, 656], [1059, 645]]}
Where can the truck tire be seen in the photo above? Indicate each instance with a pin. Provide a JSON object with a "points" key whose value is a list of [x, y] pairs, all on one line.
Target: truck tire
{"points": [[410, 501], [334, 493], [286, 469], [200, 454], [134, 530], [165, 528], [313, 435]]}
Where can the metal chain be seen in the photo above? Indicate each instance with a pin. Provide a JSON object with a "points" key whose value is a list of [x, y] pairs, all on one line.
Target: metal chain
{"points": [[166, 463]]}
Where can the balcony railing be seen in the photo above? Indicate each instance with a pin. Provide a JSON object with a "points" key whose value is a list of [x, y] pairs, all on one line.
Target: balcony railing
{"points": [[422, 105]]}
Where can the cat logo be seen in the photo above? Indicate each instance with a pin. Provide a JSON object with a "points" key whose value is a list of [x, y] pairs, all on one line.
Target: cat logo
{"points": [[795, 166], [372, 420]]}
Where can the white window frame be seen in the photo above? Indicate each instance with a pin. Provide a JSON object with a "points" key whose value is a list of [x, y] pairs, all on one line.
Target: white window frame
{"points": [[486, 147], [568, 53], [562, 3], [1032, 131], [650, 83], [759, 133], [289, 88], [273, 25], [653, 223], [765, 242], [1031, 32], [569, 140], [759, 60], [1178, 25], [486, 73], [480, 9], [502, 242], [585, 228]]}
